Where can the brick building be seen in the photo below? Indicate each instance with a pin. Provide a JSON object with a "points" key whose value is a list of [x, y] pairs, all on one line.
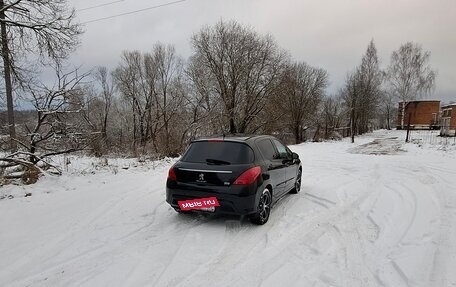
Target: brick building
{"points": [[448, 120], [421, 114]]}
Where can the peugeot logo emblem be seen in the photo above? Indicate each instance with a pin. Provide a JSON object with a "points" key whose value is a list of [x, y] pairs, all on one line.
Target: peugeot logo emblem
{"points": [[201, 177]]}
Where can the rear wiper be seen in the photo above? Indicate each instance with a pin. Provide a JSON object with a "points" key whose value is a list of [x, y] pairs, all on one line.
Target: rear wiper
{"points": [[217, 161]]}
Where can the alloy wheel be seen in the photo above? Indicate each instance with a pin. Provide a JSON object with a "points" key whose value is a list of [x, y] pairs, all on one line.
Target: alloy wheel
{"points": [[264, 206], [298, 182]]}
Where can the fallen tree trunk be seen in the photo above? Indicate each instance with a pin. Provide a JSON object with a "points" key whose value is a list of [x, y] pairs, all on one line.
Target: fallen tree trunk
{"points": [[29, 172]]}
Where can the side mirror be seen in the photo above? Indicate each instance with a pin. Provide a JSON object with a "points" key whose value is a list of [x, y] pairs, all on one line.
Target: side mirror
{"points": [[296, 159], [295, 156]]}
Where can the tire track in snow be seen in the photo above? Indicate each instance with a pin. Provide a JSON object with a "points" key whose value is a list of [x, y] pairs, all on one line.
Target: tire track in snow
{"points": [[309, 231], [324, 224], [445, 255], [351, 230], [353, 237], [177, 249], [65, 241], [412, 219], [408, 214], [355, 229], [321, 201], [245, 246]]}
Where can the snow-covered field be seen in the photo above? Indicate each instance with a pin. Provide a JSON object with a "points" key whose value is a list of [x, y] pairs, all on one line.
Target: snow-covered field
{"points": [[376, 213]]}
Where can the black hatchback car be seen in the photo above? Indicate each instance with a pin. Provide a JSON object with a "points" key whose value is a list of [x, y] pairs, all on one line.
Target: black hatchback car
{"points": [[234, 175]]}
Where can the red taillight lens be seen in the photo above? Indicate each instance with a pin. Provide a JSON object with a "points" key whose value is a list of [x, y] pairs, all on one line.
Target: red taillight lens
{"points": [[249, 176], [172, 174]]}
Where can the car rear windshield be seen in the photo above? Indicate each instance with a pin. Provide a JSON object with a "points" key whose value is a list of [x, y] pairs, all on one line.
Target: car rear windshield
{"points": [[219, 152]]}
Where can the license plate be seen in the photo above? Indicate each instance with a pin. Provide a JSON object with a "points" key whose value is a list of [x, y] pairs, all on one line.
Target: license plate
{"points": [[206, 204]]}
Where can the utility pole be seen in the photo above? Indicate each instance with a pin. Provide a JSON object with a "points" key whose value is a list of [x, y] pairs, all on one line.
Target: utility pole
{"points": [[352, 124], [408, 128], [7, 72]]}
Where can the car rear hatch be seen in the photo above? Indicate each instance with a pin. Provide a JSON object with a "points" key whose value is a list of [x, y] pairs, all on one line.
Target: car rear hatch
{"points": [[214, 163]]}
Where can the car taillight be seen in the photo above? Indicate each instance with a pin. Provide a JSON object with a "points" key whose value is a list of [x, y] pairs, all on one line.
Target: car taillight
{"points": [[249, 176], [172, 174]]}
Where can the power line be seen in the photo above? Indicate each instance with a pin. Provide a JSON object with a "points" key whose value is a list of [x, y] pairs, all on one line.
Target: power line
{"points": [[133, 12], [100, 5]]}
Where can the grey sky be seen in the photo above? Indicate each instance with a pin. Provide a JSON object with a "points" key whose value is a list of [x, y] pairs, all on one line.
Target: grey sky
{"points": [[332, 34]]}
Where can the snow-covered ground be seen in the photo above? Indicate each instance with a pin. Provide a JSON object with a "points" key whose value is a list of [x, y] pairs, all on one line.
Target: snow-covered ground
{"points": [[373, 213]]}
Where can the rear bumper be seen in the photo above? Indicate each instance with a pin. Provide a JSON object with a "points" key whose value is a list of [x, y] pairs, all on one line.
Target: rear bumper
{"points": [[232, 200]]}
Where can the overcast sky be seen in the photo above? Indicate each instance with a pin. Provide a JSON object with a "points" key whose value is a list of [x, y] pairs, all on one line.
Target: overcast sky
{"points": [[331, 34]]}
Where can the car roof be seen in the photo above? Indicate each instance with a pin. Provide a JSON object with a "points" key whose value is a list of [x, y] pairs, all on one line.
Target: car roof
{"points": [[233, 138]]}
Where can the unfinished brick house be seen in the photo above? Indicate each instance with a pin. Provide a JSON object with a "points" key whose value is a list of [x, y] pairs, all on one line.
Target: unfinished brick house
{"points": [[421, 114], [448, 120]]}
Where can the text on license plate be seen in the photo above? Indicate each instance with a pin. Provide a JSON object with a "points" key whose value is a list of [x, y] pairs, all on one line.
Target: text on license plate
{"points": [[206, 204]]}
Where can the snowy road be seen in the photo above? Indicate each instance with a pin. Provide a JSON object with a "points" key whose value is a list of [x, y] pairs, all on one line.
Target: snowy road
{"points": [[371, 214]]}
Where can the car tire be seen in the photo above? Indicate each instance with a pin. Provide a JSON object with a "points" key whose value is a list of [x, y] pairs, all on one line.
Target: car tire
{"points": [[264, 208], [297, 186]]}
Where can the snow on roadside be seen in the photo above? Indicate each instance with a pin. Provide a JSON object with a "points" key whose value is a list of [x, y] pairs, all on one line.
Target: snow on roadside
{"points": [[74, 166], [374, 213]]}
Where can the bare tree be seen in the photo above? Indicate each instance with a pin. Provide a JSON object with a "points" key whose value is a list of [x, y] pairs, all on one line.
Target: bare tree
{"points": [[371, 79], [136, 83], [363, 91], [351, 93], [53, 132], [387, 109], [105, 97], [203, 99], [409, 74], [44, 27], [303, 90], [97, 105], [55, 128], [153, 85], [333, 115], [242, 69], [169, 93]]}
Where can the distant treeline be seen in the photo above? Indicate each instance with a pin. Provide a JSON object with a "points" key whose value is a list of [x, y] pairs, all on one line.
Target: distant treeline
{"points": [[235, 81]]}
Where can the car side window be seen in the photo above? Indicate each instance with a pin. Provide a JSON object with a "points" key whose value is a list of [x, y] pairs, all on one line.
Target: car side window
{"points": [[281, 149], [267, 149]]}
